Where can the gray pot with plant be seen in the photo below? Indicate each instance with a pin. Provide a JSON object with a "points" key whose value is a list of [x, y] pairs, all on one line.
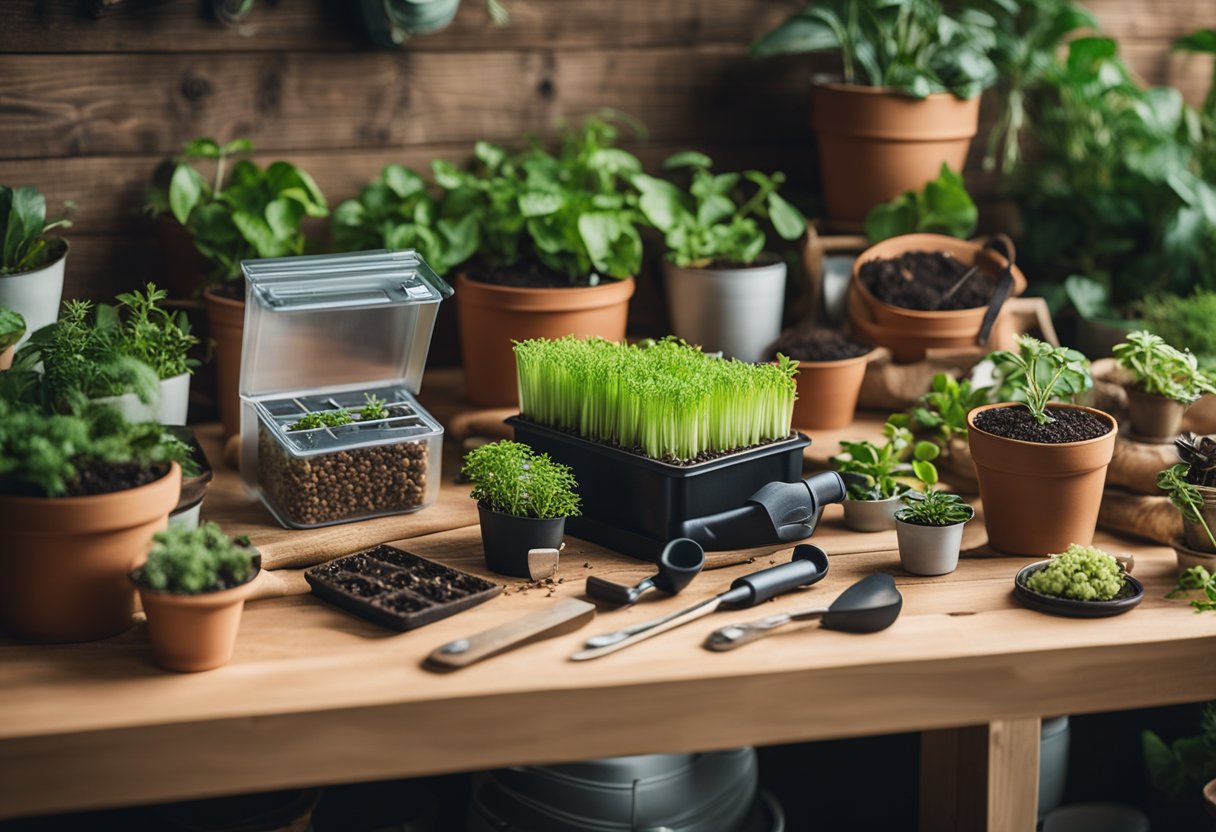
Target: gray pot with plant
{"points": [[523, 500], [31, 263], [725, 292], [1165, 382], [870, 472], [929, 526], [1191, 488]]}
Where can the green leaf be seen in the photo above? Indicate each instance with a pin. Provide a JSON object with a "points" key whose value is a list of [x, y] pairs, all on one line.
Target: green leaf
{"points": [[185, 190], [202, 149], [256, 230], [926, 472], [687, 159], [539, 204], [786, 219], [1202, 41], [1090, 298], [714, 209], [402, 181], [238, 146], [796, 36], [26, 217], [283, 216], [926, 451]]}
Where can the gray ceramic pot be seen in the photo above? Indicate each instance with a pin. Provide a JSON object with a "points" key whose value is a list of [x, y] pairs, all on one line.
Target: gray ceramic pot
{"points": [[871, 515], [929, 550], [1188, 557]]}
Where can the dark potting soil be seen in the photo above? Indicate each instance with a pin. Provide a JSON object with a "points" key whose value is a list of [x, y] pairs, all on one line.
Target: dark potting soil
{"points": [[813, 344], [918, 279], [527, 276], [99, 477], [1068, 425]]}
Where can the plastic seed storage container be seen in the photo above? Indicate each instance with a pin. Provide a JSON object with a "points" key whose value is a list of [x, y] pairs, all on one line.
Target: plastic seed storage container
{"points": [[324, 336]]}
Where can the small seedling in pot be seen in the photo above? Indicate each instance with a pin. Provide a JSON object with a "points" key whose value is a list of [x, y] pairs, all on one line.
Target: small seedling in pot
{"points": [[1038, 373], [1185, 497], [374, 408], [874, 468], [929, 506], [1161, 370], [192, 561]]}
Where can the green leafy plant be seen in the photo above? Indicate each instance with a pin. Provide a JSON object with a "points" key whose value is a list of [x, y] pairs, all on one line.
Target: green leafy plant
{"points": [[374, 408], [1197, 578], [669, 399], [1161, 370], [943, 206], [928, 506], [396, 211], [153, 335], [243, 211], [916, 48], [1198, 453], [194, 561], [24, 245], [1201, 42], [12, 327], [1187, 764], [1184, 496], [511, 478], [1082, 573], [945, 406], [1038, 373], [874, 468], [324, 419], [1185, 320], [715, 220]]}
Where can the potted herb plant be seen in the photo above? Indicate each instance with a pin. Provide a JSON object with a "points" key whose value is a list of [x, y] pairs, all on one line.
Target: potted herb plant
{"points": [[909, 101], [1165, 382], [193, 588], [726, 292], [1041, 466], [830, 370], [523, 500], [1191, 487], [242, 212], [870, 470], [12, 329], [31, 263], [929, 526], [558, 246], [943, 409]]}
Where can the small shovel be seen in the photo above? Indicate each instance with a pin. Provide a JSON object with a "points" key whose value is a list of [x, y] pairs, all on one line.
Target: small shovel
{"points": [[681, 561], [870, 605]]}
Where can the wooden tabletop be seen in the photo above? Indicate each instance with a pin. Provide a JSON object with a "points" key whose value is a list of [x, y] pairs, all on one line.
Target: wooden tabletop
{"points": [[314, 695]]}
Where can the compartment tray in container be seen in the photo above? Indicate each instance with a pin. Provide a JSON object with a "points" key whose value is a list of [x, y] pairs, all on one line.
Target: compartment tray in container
{"points": [[397, 589]]}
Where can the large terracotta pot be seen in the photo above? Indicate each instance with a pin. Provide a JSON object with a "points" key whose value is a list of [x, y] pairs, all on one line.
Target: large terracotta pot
{"points": [[827, 392], [65, 559], [875, 144], [1039, 498], [226, 320], [189, 633], [492, 316]]}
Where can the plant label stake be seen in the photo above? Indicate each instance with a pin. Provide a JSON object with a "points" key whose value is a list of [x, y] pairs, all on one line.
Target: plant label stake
{"points": [[681, 561], [870, 605], [565, 616], [809, 565]]}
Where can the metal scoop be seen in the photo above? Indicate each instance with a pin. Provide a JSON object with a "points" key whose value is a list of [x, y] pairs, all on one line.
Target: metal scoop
{"points": [[681, 561], [870, 605]]}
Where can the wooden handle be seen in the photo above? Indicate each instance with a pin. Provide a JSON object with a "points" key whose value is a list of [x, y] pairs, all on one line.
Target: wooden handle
{"points": [[278, 583], [565, 616]]}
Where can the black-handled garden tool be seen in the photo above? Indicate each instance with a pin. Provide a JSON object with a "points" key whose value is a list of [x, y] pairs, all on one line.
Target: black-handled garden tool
{"points": [[780, 512], [680, 561], [870, 605], [809, 564]]}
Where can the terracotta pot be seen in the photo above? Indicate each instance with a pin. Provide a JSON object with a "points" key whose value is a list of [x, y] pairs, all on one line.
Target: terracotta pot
{"points": [[827, 392], [226, 320], [186, 269], [1039, 498], [6, 357], [1192, 533], [875, 144], [491, 317], [189, 633], [65, 559], [1154, 418]]}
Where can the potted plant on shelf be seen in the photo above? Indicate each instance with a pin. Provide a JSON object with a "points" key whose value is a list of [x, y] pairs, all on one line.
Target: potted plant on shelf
{"points": [[870, 471], [943, 206], [12, 329], [523, 500], [1041, 466], [943, 409], [31, 263], [929, 526], [243, 212], [558, 248], [193, 588], [830, 370], [1191, 487], [725, 291], [1165, 382]]}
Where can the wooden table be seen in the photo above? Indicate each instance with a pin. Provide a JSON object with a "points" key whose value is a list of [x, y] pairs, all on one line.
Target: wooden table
{"points": [[314, 695]]}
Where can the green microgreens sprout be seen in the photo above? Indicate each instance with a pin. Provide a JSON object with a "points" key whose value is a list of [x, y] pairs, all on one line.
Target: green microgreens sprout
{"points": [[374, 408], [324, 419]]}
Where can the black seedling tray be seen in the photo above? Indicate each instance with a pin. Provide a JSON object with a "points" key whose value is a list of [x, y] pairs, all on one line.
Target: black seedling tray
{"points": [[635, 504], [397, 589]]}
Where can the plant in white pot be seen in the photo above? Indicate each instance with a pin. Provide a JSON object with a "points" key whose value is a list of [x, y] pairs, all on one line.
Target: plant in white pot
{"points": [[1165, 382], [725, 291], [870, 471], [12, 329], [31, 263], [929, 527]]}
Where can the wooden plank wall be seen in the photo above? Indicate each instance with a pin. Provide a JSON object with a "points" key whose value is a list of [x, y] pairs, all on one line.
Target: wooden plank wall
{"points": [[90, 107]]}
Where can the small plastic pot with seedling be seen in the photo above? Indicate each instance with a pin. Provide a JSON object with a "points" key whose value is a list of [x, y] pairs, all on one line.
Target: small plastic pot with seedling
{"points": [[871, 472], [1165, 381], [929, 526]]}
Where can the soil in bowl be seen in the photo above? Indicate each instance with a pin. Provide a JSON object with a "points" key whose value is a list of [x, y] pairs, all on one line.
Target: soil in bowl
{"points": [[527, 276], [1067, 425], [919, 279], [100, 477], [814, 344]]}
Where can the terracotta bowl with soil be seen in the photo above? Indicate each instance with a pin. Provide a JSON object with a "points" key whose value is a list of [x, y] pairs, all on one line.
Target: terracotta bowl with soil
{"points": [[831, 368]]}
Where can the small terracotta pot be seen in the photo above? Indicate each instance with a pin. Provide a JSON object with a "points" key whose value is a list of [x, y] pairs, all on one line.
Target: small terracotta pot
{"points": [[1039, 498], [827, 392], [226, 320], [871, 515], [491, 317], [1192, 533], [189, 633], [65, 559], [1154, 418], [6, 357], [874, 144], [1188, 557]]}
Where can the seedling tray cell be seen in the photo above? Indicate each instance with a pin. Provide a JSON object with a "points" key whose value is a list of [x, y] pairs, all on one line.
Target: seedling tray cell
{"points": [[397, 589]]}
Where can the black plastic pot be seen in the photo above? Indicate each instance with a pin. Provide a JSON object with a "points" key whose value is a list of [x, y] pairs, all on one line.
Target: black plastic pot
{"points": [[634, 504], [507, 539]]}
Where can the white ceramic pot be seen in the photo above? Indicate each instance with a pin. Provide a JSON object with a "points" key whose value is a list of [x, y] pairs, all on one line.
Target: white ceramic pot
{"points": [[929, 550], [169, 408], [186, 518], [35, 295], [871, 515], [735, 311]]}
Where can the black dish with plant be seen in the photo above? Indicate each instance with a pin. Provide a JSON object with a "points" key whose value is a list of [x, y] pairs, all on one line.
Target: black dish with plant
{"points": [[1082, 582]]}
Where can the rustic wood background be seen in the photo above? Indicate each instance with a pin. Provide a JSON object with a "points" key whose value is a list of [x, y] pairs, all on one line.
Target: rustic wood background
{"points": [[89, 108]]}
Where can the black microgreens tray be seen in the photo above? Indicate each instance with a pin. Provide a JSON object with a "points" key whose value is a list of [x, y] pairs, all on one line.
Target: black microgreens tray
{"points": [[397, 589]]}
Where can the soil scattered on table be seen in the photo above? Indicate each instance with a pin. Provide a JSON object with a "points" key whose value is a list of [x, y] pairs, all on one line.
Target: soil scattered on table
{"points": [[918, 279], [1016, 422], [815, 344], [100, 477]]}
